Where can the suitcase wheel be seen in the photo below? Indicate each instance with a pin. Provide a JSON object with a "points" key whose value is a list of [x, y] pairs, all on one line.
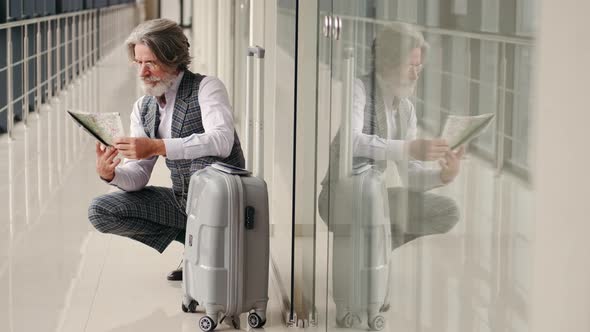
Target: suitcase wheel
{"points": [[192, 306], [377, 323], [348, 320], [207, 324], [255, 321]]}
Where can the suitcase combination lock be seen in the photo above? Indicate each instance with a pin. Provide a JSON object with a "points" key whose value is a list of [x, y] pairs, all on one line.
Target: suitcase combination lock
{"points": [[249, 217]]}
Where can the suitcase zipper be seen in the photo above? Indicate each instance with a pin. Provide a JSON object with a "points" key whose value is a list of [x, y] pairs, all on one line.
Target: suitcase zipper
{"points": [[235, 281], [357, 242]]}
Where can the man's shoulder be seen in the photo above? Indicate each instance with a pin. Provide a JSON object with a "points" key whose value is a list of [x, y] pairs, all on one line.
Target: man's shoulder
{"points": [[189, 75], [201, 80], [210, 84], [208, 79], [142, 102], [143, 99]]}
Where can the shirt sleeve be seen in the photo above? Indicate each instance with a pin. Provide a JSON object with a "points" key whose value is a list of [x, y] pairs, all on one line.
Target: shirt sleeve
{"points": [[133, 175], [370, 146], [217, 119], [420, 176]]}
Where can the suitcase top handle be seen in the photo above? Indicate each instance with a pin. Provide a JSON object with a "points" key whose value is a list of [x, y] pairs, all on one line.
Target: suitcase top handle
{"points": [[230, 169]]}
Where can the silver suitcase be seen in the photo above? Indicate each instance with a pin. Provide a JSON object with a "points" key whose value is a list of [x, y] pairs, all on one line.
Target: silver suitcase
{"points": [[361, 248], [226, 246]]}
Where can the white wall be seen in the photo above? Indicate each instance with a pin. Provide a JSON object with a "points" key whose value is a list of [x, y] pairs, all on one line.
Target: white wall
{"points": [[561, 274], [170, 9]]}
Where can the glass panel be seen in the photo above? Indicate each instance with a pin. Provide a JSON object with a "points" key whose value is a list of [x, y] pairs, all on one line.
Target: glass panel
{"points": [[323, 139], [416, 241], [281, 223], [308, 96]]}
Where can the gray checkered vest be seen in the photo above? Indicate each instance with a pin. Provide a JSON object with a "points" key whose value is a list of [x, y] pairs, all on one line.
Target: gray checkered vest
{"points": [[186, 120], [374, 123]]}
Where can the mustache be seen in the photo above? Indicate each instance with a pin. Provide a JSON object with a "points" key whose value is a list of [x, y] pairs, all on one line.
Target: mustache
{"points": [[151, 79]]}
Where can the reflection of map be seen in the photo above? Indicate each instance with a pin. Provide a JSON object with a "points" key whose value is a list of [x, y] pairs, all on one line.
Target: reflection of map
{"points": [[459, 130], [103, 126]]}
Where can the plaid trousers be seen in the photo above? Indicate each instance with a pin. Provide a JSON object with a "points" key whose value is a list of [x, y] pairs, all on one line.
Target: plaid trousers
{"points": [[424, 214], [151, 216]]}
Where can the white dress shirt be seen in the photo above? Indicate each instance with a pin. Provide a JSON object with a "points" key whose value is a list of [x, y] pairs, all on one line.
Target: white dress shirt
{"points": [[217, 140], [419, 176]]}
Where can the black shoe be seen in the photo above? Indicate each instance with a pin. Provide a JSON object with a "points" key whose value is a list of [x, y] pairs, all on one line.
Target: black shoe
{"points": [[175, 275]]}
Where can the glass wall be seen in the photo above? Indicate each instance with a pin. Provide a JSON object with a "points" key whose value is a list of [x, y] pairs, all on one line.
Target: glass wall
{"points": [[415, 232], [281, 188], [233, 27]]}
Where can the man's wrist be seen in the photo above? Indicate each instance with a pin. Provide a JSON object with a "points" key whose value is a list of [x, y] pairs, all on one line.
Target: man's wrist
{"points": [[446, 179], [159, 147], [107, 179]]}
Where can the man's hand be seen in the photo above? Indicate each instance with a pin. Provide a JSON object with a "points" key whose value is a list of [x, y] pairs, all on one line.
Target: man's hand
{"points": [[451, 164], [423, 149], [105, 162], [140, 147]]}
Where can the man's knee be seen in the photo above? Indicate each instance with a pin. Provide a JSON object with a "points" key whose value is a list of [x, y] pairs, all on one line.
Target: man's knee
{"points": [[449, 213], [101, 216]]}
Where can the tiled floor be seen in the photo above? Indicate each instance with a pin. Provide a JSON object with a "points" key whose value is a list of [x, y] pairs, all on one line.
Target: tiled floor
{"points": [[56, 272]]}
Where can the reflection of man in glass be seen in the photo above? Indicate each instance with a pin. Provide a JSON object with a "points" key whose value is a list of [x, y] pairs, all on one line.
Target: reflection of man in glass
{"points": [[384, 130], [362, 210]]}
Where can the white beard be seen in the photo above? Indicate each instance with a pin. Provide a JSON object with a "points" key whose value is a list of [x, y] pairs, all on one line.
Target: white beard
{"points": [[404, 90], [396, 86], [401, 89], [162, 85]]}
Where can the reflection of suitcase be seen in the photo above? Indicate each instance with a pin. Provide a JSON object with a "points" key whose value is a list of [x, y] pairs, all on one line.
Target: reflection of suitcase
{"points": [[359, 214], [226, 246]]}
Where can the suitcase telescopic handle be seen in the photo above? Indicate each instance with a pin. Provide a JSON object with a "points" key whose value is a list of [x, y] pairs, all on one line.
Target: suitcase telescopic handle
{"points": [[255, 110], [346, 120]]}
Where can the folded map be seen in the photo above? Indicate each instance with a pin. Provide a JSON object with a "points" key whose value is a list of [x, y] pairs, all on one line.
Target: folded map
{"points": [[103, 126], [459, 130]]}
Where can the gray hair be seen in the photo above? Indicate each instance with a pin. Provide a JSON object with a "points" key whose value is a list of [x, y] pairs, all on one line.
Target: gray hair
{"points": [[394, 43], [165, 39]]}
